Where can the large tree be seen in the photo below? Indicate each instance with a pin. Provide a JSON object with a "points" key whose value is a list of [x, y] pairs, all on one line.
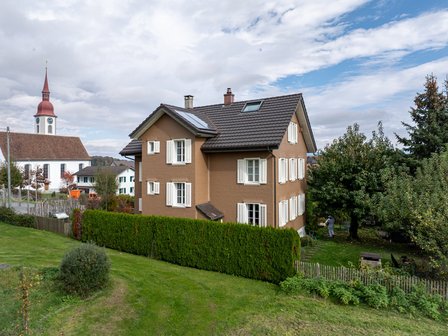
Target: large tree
{"points": [[417, 205], [348, 175], [16, 175], [429, 134]]}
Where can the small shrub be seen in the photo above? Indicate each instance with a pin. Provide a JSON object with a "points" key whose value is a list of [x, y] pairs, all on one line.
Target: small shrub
{"points": [[343, 294], [9, 216], [376, 296], [429, 305], [84, 270], [398, 300], [307, 241], [293, 285]]}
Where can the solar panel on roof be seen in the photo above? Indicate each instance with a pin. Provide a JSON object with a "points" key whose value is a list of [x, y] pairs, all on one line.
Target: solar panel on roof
{"points": [[193, 119]]}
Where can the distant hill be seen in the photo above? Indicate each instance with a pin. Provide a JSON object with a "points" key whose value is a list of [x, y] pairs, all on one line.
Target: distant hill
{"points": [[110, 161]]}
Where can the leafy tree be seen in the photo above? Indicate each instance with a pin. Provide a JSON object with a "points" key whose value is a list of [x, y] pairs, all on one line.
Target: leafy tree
{"points": [[418, 204], [348, 175], [16, 175], [106, 187], [430, 116], [67, 182]]}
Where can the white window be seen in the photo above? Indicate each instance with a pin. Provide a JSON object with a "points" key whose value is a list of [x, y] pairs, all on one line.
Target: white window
{"points": [[153, 147], [122, 179], [178, 151], [86, 179], [301, 204], [153, 188], [293, 169], [131, 190], [292, 133], [178, 194], [282, 170], [252, 171], [293, 208], [252, 213], [122, 191], [282, 213], [301, 168]]}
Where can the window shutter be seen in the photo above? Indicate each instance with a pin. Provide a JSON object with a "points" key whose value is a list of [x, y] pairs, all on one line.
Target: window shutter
{"points": [[241, 171], [187, 150], [188, 195], [169, 193], [295, 133], [291, 209], [140, 204], [169, 151], [301, 204], [285, 172], [292, 169], [263, 171], [282, 170], [156, 188], [140, 171], [263, 211], [148, 188], [280, 214], [242, 213], [156, 146], [290, 133]]}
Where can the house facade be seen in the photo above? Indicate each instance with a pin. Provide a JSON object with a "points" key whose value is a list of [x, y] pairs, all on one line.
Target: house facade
{"points": [[124, 175], [235, 161]]}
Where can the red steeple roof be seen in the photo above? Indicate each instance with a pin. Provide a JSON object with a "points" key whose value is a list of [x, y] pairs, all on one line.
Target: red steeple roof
{"points": [[45, 107]]}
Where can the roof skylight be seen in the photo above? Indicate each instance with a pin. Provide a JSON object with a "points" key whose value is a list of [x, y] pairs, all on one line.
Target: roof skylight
{"points": [[193, 119], [252, 106]]}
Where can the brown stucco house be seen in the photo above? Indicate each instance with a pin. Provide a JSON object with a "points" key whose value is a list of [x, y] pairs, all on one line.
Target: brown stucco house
{"points": [[233, 161]]}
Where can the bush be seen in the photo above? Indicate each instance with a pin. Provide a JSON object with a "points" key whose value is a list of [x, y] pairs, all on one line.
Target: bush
{"points": [[398, 300], [258, 253], [84, 270], [9, 216], [376, 296], [344, 294]]}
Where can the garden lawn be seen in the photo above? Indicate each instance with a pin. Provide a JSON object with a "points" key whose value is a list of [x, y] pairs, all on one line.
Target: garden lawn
{"points": [[149, 297], [341, 252]]}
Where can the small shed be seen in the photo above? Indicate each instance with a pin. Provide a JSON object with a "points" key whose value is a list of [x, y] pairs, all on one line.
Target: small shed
{"points": [[370, 259]]}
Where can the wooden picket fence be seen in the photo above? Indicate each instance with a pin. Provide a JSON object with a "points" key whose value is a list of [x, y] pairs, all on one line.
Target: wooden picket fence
{"points": [[62, 227], [346, 274], [50, 207]]}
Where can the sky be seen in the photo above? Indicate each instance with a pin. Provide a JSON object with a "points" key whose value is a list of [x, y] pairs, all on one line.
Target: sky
{"points": [[112, 62]]}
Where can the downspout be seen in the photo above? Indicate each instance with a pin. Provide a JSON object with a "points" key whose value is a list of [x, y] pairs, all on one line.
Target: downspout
{"points": [[275, 187]]}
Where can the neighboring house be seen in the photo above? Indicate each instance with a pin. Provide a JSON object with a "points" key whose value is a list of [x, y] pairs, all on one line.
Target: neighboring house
{"points": [[44, 150], [237, 161], [85, 178]]}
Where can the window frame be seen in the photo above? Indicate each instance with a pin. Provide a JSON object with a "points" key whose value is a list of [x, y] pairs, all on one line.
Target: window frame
{"points": [[243, 214], [259, 171], [153, 147], [152, 187]]}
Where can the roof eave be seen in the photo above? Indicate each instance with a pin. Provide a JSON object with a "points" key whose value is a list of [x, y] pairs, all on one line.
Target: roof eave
{"points": [[264, 148], [307, 130]]}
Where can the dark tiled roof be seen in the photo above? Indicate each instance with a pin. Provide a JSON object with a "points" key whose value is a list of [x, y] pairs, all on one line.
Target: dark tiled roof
{"points": [[27, 146], [132, 148], [210, 211], [230, 129], [93, 170]]}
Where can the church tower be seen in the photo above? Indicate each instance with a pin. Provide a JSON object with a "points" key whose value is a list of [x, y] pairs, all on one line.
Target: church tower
{"points": [[45, 119]]}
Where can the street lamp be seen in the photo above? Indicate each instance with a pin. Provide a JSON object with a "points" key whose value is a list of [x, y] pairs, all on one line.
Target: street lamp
{"points": [[9, 166]]}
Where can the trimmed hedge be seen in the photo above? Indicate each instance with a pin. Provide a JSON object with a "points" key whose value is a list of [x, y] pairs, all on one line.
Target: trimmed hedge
{"points": [[252, 252], [8, 215]]}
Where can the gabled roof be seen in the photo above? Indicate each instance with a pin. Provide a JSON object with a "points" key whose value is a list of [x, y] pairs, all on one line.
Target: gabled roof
{"points": [[231, 129], [38, 147], [93, 170], [132, 148]]}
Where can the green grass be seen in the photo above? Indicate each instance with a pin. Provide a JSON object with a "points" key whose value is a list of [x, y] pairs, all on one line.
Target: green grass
{"points": [[149, 297], [341, 252]]}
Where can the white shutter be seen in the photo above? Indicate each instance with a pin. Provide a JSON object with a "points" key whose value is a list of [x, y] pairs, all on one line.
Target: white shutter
{"points": [[139, 171], [148, 188], [301, 168], [188, 195], [263, 211], [263, 171], [241, 171], [169, 151], [280, 214], [282, 170], [156, 188], [290, 133], [301, 204], [156, 146], [187, 150], [295, 131], [242, 216], [285, 168], [292, 169], [285, 209], [169, 193], [291, 209], [140, 204]]}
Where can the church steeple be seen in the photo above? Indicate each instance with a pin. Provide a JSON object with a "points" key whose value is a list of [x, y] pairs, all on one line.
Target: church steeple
{"points": [[45, 117]]}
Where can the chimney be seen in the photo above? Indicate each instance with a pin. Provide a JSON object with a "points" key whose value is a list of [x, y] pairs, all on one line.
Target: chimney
{"points": [[228, 97], [188, 101]]}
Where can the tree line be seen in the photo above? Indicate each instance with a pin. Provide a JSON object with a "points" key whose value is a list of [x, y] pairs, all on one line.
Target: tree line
{"points": [[368, 181]]}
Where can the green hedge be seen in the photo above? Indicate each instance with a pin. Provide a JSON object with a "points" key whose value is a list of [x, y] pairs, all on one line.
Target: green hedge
{"points": [[258, 253], [8, 215]]}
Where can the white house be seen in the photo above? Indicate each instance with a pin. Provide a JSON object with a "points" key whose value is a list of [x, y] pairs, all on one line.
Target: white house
{"points": [[85, 178], [52, 153]]}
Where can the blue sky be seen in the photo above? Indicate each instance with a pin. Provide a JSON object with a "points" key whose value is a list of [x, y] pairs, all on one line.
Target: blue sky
{"points": [[112, 62]]}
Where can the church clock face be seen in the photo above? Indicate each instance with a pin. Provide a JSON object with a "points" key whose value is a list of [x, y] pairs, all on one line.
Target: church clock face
{"points": [[37, 120], [50, 120]]}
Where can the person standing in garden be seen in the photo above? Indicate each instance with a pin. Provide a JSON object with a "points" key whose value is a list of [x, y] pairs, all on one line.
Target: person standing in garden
{"points": [[330, 224]]}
